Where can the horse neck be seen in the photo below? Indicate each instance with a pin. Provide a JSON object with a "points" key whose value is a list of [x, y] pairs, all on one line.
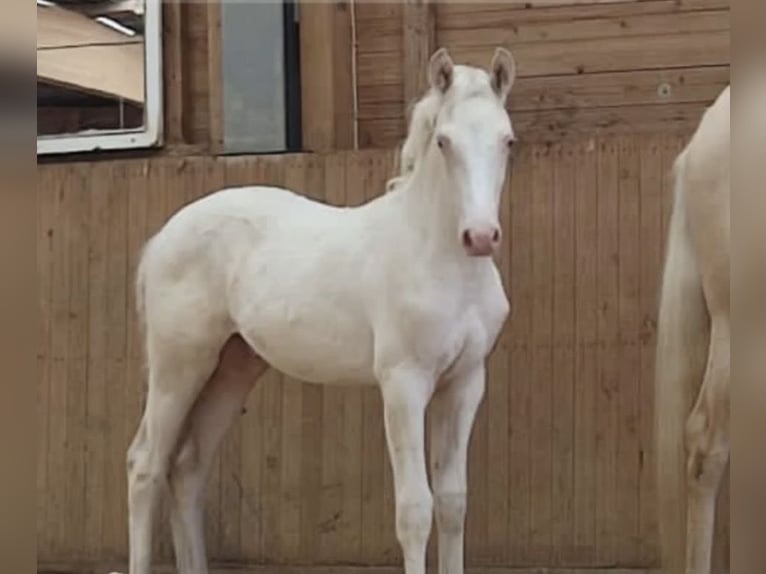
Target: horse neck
{"points": [[429, 206]]}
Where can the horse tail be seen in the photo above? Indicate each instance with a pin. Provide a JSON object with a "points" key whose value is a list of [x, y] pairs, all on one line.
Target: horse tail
{"points": [[681, 354]]}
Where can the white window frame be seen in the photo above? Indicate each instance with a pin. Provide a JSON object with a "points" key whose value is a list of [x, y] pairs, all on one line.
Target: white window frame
{"points": [[148, 135]]}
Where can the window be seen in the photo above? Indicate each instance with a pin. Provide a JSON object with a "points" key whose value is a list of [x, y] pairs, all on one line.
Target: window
{"points": [[99, 75], [260, 76]]}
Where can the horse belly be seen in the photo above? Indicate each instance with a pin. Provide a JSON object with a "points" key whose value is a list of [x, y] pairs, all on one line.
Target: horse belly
{"points": [[313, 347]]}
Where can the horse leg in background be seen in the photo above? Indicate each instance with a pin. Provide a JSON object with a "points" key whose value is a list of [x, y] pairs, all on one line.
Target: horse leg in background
{"points": [[453, 414], [218, 406], [405, 398], [176, 377], [707, 442]]}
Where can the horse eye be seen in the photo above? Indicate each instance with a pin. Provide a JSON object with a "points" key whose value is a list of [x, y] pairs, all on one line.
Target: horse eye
{"points": [[442, 141], [509, 142]]}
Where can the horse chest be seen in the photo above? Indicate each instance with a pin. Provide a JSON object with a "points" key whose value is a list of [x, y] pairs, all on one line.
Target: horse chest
{"points": [[446, 331]]}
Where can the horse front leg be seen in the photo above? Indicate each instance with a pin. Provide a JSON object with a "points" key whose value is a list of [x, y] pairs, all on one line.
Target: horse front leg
{"points": [[453, 414], [707, 443], [405, 397]]}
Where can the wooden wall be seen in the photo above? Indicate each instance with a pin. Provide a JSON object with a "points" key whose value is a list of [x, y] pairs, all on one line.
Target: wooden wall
{"points": [[561, 459], [584, 67]]}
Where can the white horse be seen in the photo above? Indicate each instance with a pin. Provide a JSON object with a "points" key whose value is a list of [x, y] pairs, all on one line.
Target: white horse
{"points": [[693, 350], [401, 292]]}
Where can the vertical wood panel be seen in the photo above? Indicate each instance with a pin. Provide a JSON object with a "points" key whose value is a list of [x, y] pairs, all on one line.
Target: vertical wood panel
{"points": [[541, 393], [327, 111], [77, 368], [561, 456], [118, 285], [650, 239], [608, 336], [520, 326], [586, 362], [563, 353], [418, 42], [95, 421], [629, 356], [45, 243]]}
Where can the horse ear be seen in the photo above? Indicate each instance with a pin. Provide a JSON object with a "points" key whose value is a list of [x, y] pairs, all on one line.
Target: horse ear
{"points": [[440, 70], [503, 72]]}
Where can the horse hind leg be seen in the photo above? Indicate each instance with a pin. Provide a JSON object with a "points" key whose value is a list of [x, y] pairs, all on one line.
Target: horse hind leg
{"points": [[217, 407], [707, 443], [177, 374]]}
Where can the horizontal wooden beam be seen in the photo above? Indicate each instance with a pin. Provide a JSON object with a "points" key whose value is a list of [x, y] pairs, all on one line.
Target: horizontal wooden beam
{"points": [[76, 52], [261, 569]]}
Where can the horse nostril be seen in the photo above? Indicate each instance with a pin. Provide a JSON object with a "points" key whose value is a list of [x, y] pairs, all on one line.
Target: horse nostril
{"points": [[496, 235], [467, 241]]}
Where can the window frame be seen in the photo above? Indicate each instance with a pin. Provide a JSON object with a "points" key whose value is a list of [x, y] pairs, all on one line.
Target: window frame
{"points": [[151, 133]]}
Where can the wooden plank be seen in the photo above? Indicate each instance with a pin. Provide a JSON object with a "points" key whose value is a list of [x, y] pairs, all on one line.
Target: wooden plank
{"points": [[78, 204], [327, 110], [586, 341], [650, 269], [379, 35], [541, 394], [608, 365], [617, 89], [610, 54], [637, 24], [378, 11], [377, 69], [96, 422], [520, 416], [141, 179], [172, 55], [555, 125], [564, 271], [575, 93], [456, 15], [196, 73], [45, 253], [215, 76], [629, 358], [418, 43], [116, 287], [597, 122], [497, 399], [57, 568], [381, 133]]}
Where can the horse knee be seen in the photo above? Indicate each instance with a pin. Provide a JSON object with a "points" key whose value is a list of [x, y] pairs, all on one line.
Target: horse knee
{"points": [[145, 473], [707, 455], [413, 519], [450, 512], [185, 470]]}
